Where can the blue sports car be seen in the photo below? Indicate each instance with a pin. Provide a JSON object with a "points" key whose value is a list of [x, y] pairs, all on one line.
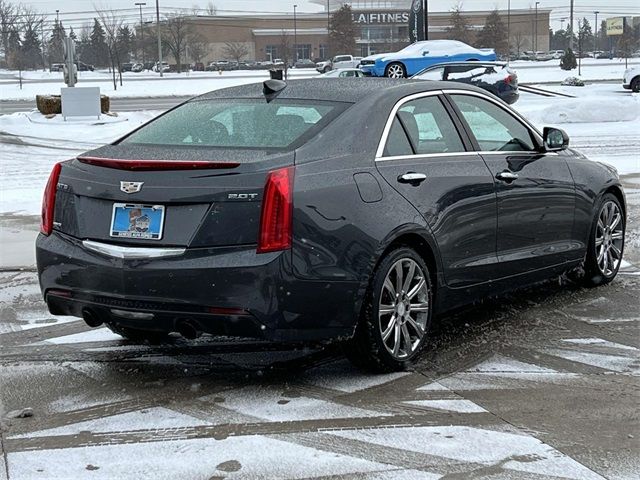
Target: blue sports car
{"points": [[417, 56]]}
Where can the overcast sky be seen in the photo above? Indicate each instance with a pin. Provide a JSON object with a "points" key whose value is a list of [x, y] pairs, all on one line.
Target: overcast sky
{"points": [[69, 8]]}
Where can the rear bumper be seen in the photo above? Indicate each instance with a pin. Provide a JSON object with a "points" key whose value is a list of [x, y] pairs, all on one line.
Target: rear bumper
{"points": [[228, 290]]}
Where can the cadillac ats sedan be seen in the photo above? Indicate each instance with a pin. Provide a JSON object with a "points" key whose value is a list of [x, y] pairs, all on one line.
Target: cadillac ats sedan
{"points": [[322, 210], [419, 55]]}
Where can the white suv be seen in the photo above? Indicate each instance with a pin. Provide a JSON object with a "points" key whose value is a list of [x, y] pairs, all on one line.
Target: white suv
{"points": [[631, 79]]}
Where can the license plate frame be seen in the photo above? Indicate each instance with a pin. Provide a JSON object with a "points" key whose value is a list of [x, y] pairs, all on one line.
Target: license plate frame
{"points": [[137, 221]]}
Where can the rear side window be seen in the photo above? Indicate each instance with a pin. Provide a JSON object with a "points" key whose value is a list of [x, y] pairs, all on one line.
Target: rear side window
{"points": [[423, 126], [494, 128], [238, 123]]}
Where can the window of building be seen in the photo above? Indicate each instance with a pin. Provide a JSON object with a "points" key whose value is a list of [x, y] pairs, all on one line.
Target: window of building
{"points": [[303, 51], [271, 52], [323, 51]]}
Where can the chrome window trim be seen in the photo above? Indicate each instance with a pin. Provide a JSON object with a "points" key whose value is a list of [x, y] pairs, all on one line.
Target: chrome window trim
{"points": [[392, 116], [118, 251], [427, 155], [501, 105]]}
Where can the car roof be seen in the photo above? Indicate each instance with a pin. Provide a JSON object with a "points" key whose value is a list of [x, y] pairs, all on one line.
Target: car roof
{"points": [[339, 89]]}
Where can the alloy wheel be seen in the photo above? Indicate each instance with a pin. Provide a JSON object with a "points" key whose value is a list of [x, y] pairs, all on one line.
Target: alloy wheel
{"points": [[395, 71], [403, 311], [609, 238]]}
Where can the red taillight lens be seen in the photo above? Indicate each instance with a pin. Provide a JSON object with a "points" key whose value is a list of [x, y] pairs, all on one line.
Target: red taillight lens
{"points": [[49, 200], [277, 212]]}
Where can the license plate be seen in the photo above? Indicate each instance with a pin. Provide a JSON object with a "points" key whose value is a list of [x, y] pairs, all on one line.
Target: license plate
{"points": [[137, 221]]}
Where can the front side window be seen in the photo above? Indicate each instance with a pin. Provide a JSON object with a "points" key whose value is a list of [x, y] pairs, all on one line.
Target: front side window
{"points": [[237, 123], [494, 128]]}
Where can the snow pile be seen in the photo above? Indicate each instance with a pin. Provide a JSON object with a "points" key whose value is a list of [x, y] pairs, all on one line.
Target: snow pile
{"points": [[588, 110]]}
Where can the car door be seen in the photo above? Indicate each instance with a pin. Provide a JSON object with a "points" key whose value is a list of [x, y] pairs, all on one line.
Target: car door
{"points": [[535, 190], [426, 159]]}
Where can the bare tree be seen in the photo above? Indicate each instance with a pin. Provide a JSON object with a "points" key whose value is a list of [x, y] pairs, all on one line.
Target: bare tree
{"points": [[111, 22], [520, 40], [9, 13], [211, 9], [285, 51], [235, 51], [176, 33], [197, 47]]}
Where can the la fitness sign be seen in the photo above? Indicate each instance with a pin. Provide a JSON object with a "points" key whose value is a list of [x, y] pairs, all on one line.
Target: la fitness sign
{"points": [[374, 18]]}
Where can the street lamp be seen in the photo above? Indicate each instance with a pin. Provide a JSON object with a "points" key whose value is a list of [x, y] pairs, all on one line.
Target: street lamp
{"points": [[595, 38], [328, 28], [536, 33], [159, 39], [295, 34], [140, 4], [509, 31], [57, 16]]}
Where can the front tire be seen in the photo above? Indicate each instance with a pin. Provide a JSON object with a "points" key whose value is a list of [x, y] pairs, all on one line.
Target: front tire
{"points": [[635, 85], [395, 70], [606, 242], [396, 314]]}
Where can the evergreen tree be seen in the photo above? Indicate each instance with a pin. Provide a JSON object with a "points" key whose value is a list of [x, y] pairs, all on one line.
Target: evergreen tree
{"points": [[99, 49], [84, 49], [493, 34], [568, 60], [56, 43], [13, 49], [125, 42], [585, 35], [342, 32], [72, 35], [31, 49], [459, 29]]}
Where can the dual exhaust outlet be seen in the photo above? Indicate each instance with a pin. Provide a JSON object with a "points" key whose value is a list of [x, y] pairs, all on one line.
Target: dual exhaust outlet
{"points": [[185, 327]]}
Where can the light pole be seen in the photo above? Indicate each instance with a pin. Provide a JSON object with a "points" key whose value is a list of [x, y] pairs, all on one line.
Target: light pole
{"points": [[57, 16], [571, 26], [536, 34], [328, 28], [295, 35], [509, 31], [141, 4], [595, 38], [160, 66]]}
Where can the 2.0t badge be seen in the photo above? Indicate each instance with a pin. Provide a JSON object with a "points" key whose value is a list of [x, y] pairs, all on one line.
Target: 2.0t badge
{"points": [[131, 187]]}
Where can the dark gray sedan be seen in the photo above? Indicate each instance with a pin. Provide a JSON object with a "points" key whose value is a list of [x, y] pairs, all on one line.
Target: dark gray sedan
{"points": [[322, 210]]}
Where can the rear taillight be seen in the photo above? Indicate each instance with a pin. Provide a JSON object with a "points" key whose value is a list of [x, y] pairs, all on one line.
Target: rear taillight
{"points": [[49, 200], [277, 211], [511, 79]]}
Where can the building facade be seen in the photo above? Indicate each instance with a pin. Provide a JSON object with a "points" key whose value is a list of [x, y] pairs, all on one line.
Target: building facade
{"points": [[383, 26]]}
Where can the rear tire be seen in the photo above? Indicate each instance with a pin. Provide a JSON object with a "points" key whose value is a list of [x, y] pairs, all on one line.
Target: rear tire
{"points": [[139, 336], [606, 243], [395, 70], [396, 315]]}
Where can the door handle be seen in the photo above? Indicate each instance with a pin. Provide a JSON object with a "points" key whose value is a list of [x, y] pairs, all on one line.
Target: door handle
{"points": [[413, 178], [507, 176]]}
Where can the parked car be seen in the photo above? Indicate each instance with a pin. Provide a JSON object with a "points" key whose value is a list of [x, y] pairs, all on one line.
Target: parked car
{"points": [[631, 79], [84, 67], [556, 54], [126, 67], [165, 67], [56, 67], [137, 67], [443, 195], [304, 63], [149, 65], [197, 67], [339, 61], [342, 73], [417, 56], [495, 77], [543, 56]]}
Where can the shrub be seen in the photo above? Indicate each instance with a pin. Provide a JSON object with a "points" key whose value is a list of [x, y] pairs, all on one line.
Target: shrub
{"points": [[568, 60], [52, 104], [572, 82]]}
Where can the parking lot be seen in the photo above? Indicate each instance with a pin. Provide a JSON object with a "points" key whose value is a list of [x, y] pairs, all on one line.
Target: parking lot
{"points": [[540, 384]]}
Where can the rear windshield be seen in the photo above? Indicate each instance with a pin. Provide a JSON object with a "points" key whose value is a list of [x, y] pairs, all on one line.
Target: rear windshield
{"points": [[238, 123]]}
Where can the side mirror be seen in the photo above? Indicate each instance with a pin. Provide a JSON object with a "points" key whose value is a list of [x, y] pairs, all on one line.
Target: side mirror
{"points": [[555, 139]]}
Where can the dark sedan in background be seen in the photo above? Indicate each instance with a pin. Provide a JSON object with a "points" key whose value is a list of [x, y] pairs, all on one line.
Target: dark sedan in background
{"points": [[494, 77], [322, 210]]}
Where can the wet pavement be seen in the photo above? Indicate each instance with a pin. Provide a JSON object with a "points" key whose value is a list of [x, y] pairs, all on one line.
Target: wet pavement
{"points": [[541, 384]]}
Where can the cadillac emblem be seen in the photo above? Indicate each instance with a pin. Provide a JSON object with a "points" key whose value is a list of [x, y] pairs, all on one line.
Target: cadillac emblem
{"points": [[131, 187]]}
